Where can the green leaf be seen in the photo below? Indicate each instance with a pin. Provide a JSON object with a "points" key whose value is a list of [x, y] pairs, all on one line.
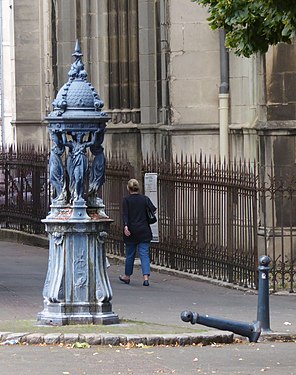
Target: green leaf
{"points": [[81, 345], [251, 26]]}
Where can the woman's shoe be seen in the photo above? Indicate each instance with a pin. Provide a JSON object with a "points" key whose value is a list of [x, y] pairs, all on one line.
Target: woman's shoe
{"points": [[124, 280], [146, 283]]}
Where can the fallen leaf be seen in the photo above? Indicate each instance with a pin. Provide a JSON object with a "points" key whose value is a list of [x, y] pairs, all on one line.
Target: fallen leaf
{"points": [[80, 345]]}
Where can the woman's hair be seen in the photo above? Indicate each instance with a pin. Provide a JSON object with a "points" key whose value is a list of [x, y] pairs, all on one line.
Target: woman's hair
{"points": [[133, 185]]}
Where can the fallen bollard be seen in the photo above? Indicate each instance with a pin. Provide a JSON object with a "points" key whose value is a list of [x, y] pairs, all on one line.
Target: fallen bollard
{"points": [[250, 330]]}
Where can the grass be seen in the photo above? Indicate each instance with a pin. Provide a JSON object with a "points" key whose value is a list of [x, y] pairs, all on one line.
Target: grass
{"points": [[125, 327]]}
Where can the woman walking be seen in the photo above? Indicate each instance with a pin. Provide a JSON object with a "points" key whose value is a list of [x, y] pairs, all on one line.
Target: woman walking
{"points": [[137, 231]]}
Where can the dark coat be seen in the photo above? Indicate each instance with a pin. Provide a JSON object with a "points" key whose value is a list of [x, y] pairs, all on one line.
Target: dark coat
{"points": [[135, 218]]}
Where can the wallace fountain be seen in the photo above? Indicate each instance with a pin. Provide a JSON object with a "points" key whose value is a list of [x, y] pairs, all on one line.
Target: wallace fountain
{"points": [[77, 289]]}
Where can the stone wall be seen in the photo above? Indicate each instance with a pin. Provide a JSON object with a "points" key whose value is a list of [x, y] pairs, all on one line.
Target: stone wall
{"points": [[28, 72], [179, 72]]}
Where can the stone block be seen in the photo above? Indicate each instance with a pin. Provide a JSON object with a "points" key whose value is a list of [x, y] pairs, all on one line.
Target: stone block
{"points": [[112, 340], [91, 338], [16, 336], [52, 338], [148, 94], [147, 67], [149, 115], [281, 112], [240, 66], [290, 85], [169, 339], [146, 41], [152, 340], [194, 143], [70, 338], [26, 11], [134, 339], [3, 335], [195, 115], [33, 339], [186, 92], [146, 14], [186, 11], [26, 79], [192, 65], [199, 37], [242, 91], [176, 32], [183, 340]]}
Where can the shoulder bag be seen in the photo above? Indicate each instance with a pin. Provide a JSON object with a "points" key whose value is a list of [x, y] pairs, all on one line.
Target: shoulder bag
{"points": [[151, 218]]}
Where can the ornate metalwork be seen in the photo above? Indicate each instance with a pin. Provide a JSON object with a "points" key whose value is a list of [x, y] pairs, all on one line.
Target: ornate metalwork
{"points": [[77, 124], [77, 288]]}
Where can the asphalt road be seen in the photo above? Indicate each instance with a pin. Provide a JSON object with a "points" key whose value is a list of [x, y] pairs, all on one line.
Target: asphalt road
{"points": [[241, 358], [23, 270], [22, 273]]}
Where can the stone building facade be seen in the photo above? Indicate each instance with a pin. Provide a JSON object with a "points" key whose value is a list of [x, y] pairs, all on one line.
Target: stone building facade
{"points": [[158, 68]]}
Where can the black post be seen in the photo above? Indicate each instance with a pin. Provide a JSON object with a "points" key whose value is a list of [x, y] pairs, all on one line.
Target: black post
{"points": [[250, 330], [263, 293]]}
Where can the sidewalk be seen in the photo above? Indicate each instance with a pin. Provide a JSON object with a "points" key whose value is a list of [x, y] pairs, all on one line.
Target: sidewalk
{"points": [[148, 314]]}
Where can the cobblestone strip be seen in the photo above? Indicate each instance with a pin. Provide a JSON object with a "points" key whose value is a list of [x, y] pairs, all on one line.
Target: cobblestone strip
{"points": [[8, 338]]}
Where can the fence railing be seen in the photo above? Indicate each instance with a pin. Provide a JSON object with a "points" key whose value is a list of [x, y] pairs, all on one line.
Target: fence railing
{"points": [[214, 220], [24, 191], [207, 219], [277, 223]]}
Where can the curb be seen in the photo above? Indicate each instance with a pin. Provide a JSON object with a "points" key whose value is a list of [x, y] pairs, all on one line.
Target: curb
{"points": [[278, 336], [12, 235], [26, 338]]}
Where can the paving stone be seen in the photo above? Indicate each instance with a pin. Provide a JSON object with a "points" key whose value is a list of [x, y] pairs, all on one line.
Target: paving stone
{"points": [[52, 338], [16, 336], [3, 335], [170, 339], [92, 338], [33, 339], [152, 340], [123, 340], [182, 340], [70, 338], [113, 340], [135, 339]]}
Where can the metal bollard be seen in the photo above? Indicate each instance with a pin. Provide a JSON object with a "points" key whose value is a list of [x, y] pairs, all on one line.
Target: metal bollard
{"points": [[263, 293], [250, 330]]}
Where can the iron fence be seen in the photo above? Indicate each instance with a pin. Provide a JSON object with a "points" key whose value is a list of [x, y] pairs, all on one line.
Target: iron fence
{"points": [[207, 219], [214, 219], [24, 191], [277, 223]]}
